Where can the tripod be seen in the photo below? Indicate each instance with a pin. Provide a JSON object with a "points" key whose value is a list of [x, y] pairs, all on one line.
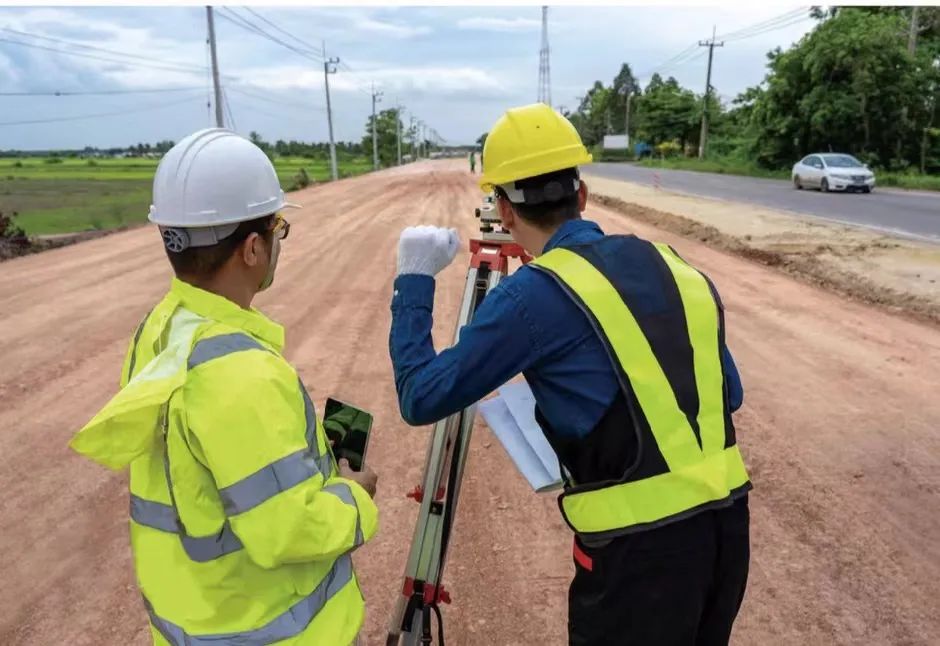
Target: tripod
{"points": [[423, 590]]}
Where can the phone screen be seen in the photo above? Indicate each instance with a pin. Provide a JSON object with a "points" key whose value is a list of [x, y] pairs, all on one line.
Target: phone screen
{"points": [[347, 428]]}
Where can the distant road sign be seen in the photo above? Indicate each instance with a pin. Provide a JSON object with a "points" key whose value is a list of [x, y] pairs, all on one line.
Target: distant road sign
{"points": [[616, 142]]}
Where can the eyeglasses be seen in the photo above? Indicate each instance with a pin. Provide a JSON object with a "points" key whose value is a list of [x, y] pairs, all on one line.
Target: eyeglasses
{"points": [[281, 227]]}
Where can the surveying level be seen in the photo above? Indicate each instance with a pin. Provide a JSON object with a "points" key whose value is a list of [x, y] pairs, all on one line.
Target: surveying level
{"points": [[488, 218], [423, 589]]}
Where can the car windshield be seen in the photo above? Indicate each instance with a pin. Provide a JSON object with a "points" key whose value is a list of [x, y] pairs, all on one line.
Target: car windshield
{"points": [[842, 161]]}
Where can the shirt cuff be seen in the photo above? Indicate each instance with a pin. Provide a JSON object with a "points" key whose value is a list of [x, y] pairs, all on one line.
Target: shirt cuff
{"points": [[414, 290]]}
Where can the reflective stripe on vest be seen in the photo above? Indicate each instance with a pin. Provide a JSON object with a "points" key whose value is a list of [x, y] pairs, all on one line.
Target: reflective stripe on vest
{"points": [[201, 549], [288, 624], [697, 476], [247, 493]]}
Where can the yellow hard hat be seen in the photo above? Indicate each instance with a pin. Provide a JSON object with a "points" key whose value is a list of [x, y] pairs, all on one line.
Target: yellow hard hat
{"points": [[527, 142]]}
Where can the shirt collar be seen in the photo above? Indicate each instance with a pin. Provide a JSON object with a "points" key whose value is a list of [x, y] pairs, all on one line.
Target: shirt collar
{"points": [[573, 232], [218, 308]]}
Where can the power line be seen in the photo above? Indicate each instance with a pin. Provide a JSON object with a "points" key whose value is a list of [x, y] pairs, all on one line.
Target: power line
{"points": [[692, 53], [294, 104], [771, 28], [100, 58], [100, 92], [247, 25], [163, 64], [283, 31], [251, 108], [156, 106], [687, 55], [771, 23], [228, 109]]}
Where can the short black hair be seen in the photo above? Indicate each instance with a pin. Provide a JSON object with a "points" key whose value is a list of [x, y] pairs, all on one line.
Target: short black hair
{"points": [[204, 262], [547, 214]]}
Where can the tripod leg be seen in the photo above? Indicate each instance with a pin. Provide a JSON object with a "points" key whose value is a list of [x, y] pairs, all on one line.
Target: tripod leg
{"points": [[444, 469]]}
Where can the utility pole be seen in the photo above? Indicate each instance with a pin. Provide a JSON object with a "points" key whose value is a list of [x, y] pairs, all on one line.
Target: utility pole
{"points": [[711, 44], [376, 98], [626, 118], [414, 139], [219, 122], [329, 67], [912, 36], [420, 138], [398, 128]]}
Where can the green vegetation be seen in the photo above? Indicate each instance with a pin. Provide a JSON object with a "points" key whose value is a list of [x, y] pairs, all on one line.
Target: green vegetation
{"points": [[857, 83], [72, 194]]}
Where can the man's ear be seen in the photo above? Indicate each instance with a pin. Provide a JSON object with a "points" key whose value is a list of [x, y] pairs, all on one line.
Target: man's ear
{"points": [[582, 196], [507, 216], [252, 249]]}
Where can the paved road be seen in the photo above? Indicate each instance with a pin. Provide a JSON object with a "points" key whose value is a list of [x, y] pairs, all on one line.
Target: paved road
{"points": [[913, 214]]}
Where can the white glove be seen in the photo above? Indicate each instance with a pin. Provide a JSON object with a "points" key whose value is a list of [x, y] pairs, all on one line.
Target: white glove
{"points": [[426, 250]]}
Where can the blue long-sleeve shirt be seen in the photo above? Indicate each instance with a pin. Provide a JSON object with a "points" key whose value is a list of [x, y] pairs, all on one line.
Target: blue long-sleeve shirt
{"points": [[526, 324]]}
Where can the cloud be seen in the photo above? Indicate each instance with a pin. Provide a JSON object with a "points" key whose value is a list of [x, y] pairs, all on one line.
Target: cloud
{"points": [[390, 29], [499, 24], [441, 81]]}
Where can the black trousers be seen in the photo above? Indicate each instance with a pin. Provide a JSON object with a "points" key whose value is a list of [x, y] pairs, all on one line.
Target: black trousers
{"points": [[676, 585]]}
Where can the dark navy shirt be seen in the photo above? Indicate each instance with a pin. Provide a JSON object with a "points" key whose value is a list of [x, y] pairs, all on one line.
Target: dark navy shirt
{"points": [[526, 324]]}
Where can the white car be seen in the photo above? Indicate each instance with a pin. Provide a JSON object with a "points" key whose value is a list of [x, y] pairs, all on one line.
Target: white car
{"points": [[833, 172]]}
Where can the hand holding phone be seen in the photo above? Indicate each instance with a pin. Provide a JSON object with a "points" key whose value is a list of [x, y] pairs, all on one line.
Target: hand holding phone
{"points": [[347, 429], [366, 477]]}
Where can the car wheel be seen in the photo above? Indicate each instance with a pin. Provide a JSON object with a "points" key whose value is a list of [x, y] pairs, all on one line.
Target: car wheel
{"points": [[796, 183], [824, 185], [867, 189]]}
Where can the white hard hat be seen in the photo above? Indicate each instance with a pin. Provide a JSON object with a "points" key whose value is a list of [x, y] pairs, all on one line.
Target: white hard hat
{"points": [[209, 182]]}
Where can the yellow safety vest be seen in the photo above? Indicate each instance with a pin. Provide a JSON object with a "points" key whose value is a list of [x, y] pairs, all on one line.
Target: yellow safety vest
{"points": [[698, 475], [241, 528]]}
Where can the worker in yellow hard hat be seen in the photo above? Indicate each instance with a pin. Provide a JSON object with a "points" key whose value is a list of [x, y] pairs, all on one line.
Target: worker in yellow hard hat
{"points": [[242, 522], [623, 345]]}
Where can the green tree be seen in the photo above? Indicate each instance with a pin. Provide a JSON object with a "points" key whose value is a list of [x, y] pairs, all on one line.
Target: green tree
{"points": [[386, 130], [850, 85], [666, 111]]}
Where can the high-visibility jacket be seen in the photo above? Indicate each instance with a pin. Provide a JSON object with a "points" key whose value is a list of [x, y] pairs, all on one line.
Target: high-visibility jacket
{"points": [[241, 528], [668, 362]]}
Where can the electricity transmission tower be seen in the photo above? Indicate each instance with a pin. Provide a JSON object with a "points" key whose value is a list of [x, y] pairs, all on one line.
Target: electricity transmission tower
{"points": [[545, 73]]}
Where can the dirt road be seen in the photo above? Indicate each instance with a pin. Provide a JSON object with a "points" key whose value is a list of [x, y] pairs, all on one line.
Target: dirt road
{"points": [[840, 428]]}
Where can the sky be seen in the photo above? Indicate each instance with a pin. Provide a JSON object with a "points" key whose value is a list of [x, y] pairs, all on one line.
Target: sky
{"points": [[454, 68]]}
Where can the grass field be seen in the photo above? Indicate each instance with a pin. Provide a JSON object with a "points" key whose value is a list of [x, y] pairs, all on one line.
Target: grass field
{"points": [[732, 167], [79, 195]]}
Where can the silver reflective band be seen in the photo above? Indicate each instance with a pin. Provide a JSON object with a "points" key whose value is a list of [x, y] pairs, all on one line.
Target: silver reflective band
{"points": [[218, 346], [342, 491], [310, 415], [201, 549], [155, 515], [325, 461], [267, 482], [286, 625]]}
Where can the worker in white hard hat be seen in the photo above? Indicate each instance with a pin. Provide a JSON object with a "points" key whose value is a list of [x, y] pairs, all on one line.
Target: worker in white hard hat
{"points": [[241, 521]]}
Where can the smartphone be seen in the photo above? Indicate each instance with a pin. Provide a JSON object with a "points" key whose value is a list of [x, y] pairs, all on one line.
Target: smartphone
{"points": [[347, 428]]}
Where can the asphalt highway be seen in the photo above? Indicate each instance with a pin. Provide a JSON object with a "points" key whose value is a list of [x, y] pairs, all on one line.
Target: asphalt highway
{"points": [[914, 214]]}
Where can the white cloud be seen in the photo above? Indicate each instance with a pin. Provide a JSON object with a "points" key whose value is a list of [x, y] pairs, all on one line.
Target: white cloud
{"points": [[390, 29], [499, 24], [436, 80]]}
